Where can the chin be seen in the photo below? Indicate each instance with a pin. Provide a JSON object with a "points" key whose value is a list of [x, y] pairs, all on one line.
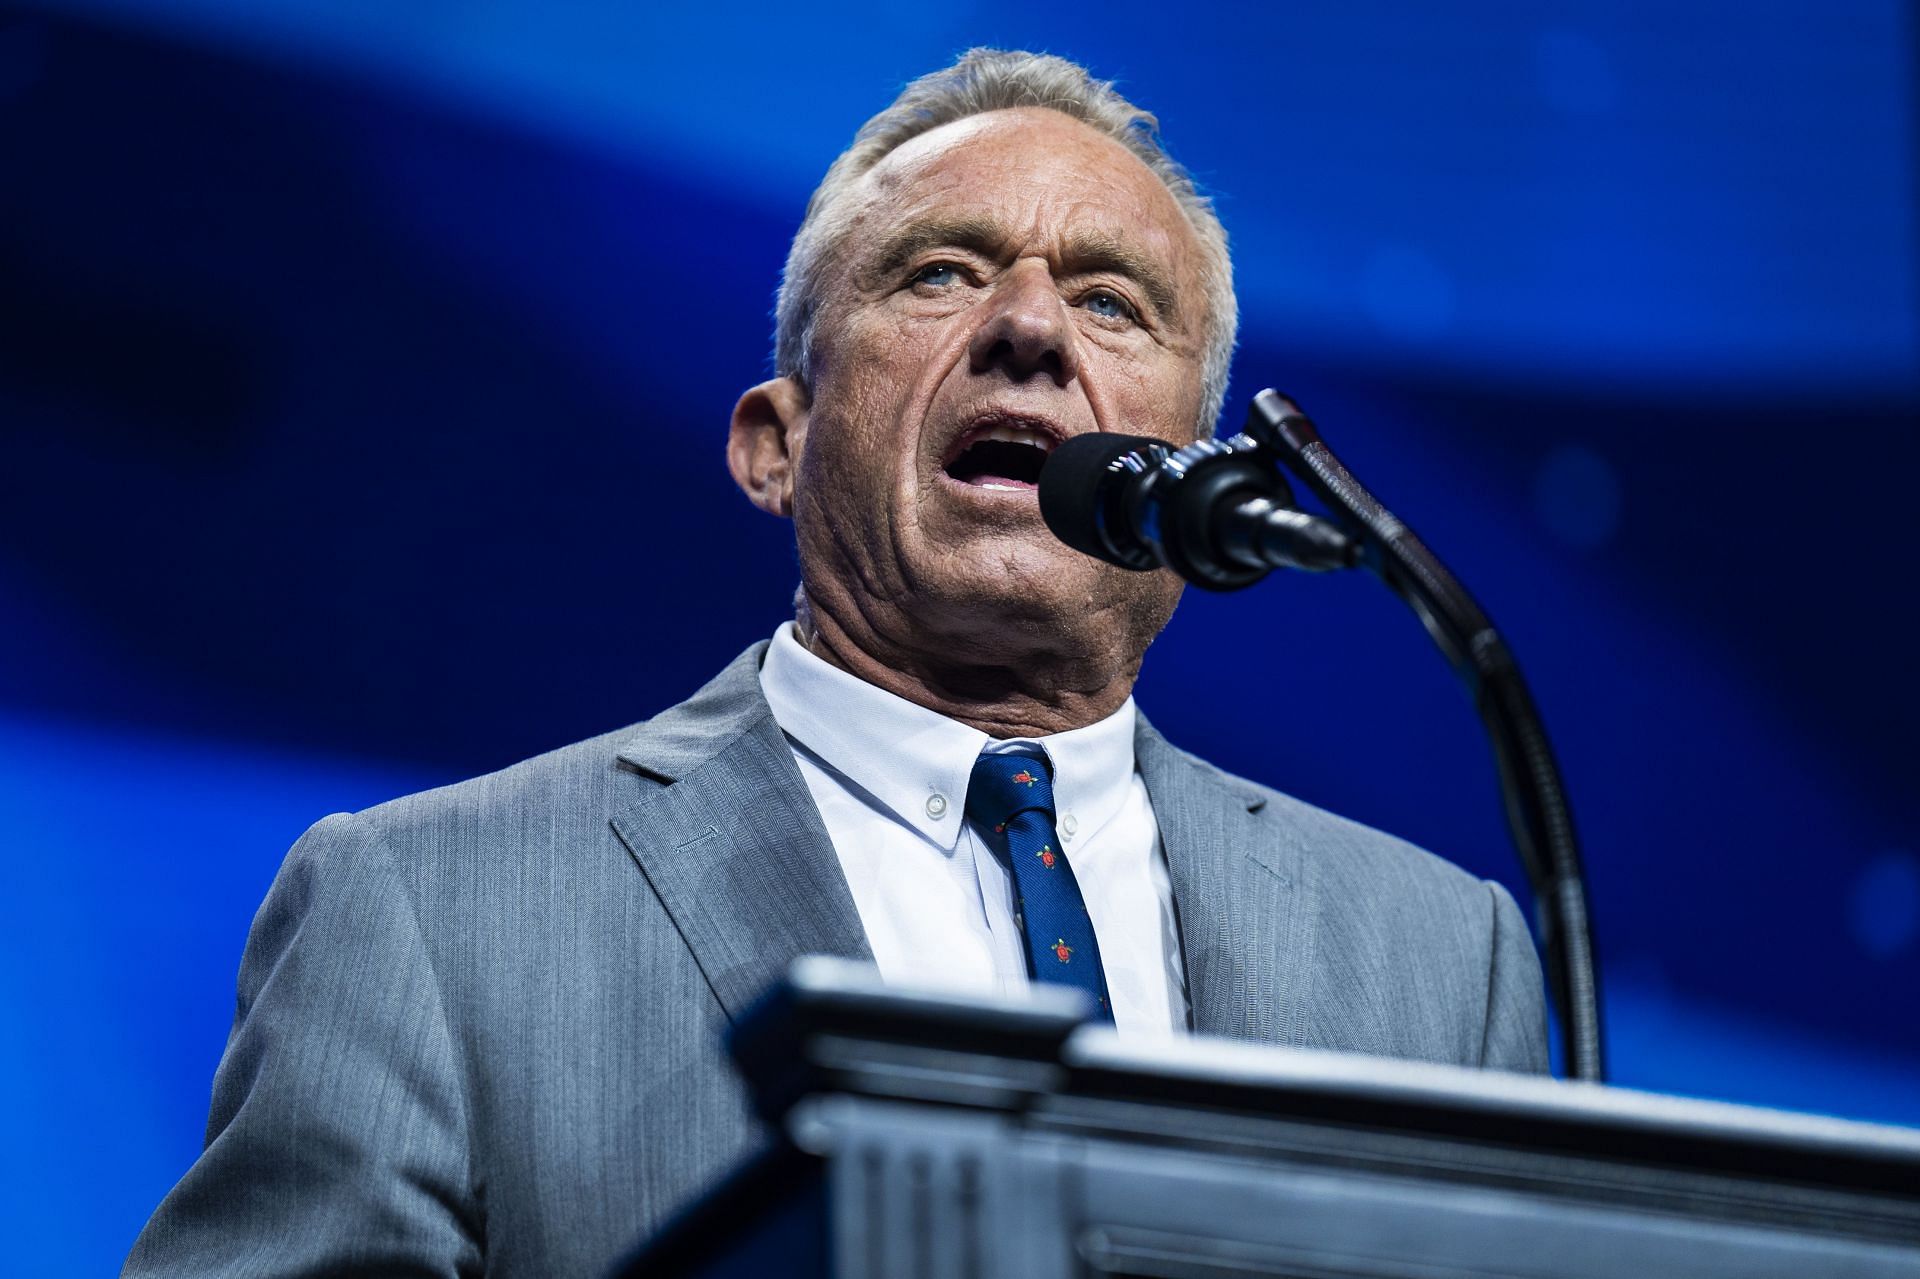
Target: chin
{"points": [[1058, 601]]}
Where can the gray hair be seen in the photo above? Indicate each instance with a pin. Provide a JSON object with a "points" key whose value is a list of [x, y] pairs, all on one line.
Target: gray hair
{"points": [[994, 80]]}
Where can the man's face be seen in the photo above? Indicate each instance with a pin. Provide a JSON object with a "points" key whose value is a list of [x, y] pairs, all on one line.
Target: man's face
{"points": [[1006, 282]]}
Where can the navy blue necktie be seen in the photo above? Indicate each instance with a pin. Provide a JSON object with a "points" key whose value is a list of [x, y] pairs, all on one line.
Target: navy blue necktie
{"points": [[1011, 797]]}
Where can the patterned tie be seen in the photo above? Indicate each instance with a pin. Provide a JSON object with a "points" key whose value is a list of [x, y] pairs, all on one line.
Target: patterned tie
{"points": [[1011, 796]]}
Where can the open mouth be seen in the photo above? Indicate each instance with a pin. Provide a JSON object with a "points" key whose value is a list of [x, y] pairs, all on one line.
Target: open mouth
{"points": [[1001, 454]]}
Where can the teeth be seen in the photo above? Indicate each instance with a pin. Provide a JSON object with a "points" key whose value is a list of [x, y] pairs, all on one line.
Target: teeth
{"points": [[1019, 435]]}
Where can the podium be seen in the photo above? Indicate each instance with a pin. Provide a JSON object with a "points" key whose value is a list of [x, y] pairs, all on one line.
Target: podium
{"points": [[923, 1136]]}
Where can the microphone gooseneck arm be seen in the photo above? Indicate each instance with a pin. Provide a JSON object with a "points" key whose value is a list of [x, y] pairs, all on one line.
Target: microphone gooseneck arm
{"points": [[1538, 816], [1220, 514]]}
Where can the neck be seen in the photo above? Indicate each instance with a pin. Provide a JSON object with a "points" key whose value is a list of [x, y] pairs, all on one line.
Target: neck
{"points": [[1028, 694]]}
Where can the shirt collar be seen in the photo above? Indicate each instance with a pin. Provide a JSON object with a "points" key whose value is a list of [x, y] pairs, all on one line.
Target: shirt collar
{"points": [[905, 755]]}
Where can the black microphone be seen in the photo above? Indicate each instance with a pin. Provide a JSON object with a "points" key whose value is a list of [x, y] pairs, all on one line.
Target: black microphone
{"points": [[1216, 512]]}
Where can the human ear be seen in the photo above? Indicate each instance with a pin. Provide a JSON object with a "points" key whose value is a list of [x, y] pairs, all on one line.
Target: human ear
{"points": [[763, 444]]}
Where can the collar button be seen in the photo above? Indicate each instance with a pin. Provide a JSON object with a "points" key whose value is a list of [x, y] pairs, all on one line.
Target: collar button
{"points": [[936, 806]]}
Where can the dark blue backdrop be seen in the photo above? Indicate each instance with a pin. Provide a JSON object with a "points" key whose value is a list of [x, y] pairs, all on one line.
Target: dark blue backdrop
{"points": [[364, 370]]}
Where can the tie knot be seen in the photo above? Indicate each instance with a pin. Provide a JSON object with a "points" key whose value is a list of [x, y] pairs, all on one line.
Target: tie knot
{"points": [[1004, 786]]}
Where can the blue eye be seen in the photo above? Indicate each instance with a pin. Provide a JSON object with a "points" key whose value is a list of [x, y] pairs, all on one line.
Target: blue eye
{"points": [[1108, 305], [937, 274]]}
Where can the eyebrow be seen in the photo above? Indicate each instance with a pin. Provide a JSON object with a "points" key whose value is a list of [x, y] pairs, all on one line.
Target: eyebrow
{"points": [[1086, 251], [1089, 251], [902, 245]]}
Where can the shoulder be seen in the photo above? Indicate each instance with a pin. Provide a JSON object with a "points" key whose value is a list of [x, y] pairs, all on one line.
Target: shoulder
{"points": [[1401, 942], [566, 795], [1402, 953], [1347, 857], [520, 842], [574, 779]]}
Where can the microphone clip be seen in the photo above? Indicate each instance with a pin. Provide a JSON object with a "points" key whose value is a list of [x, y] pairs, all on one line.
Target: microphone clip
{"points": [[1219, 513]]}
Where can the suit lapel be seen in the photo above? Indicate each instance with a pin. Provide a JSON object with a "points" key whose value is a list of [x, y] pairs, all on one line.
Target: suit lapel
{"points": [[1243, 894], [733, 845], [736, 851]]}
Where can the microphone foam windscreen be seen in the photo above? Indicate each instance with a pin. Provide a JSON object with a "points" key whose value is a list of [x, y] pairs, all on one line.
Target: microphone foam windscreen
{"points": [[1074, 484]]}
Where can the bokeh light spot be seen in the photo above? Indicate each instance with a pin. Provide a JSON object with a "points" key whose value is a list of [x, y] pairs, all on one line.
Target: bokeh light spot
{"points": [[1574, 73], [1884, 908], [1406, 293], [1577, 496], [23, 57]]}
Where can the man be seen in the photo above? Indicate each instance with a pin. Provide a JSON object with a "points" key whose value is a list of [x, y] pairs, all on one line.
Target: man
{"points": [[478, 1029]]}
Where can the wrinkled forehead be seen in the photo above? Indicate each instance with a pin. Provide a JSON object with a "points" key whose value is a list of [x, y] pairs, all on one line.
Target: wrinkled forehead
{"points": [[1037, 172]]}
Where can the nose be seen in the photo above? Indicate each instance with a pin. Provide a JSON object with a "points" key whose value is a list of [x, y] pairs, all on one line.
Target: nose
{"points": [[1027, 332]]}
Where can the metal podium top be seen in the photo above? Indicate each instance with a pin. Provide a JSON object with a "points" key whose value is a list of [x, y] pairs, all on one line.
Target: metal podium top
{"points": [[833, 1026], [938, 1135]]}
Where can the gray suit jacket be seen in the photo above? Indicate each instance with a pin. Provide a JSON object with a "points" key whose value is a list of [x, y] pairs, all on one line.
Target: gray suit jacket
{"points": [[478, 1029]]}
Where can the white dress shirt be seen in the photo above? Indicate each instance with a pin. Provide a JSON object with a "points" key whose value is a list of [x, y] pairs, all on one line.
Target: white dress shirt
{"points": [[890, 781]]}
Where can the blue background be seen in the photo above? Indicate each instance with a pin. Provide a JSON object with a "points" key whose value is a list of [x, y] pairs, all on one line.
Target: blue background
{"points": [[364, 369]]}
